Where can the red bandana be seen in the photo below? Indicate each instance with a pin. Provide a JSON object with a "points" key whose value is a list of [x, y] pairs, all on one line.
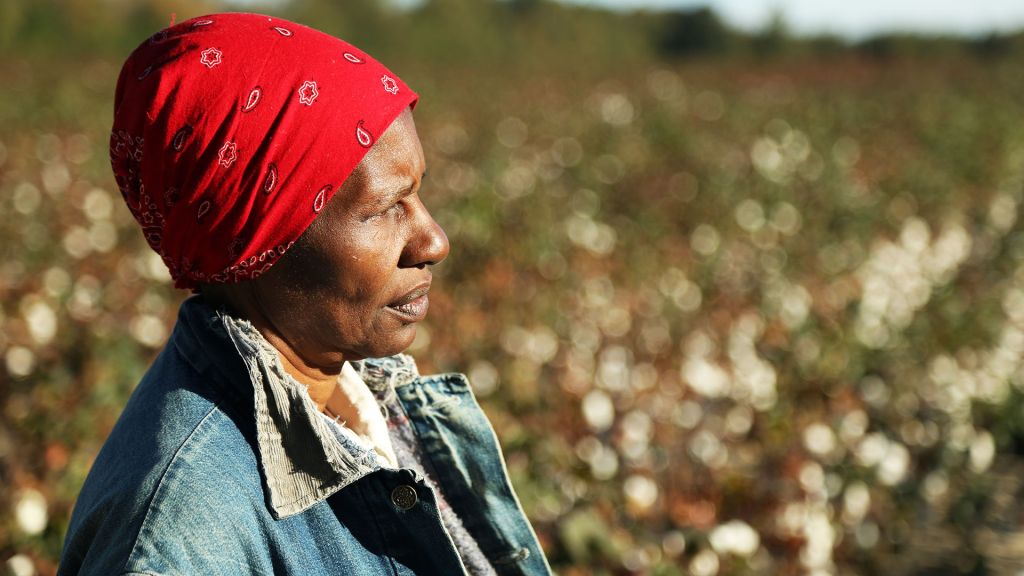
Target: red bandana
{"points": [[232, 131]]}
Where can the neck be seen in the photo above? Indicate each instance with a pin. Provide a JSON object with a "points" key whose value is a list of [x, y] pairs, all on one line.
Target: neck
{"points": [[320, 380]]}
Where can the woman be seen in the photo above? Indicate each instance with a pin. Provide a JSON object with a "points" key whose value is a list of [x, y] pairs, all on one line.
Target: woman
{"points": [[277, 172]]}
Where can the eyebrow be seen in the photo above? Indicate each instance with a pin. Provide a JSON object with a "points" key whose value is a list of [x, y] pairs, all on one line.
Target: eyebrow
{"points": [[400, 193]]}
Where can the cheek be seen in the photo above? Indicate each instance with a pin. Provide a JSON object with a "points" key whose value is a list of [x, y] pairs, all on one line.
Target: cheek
{"points": [[358, 280], [348, 271], [371, 261], [368, 281]]}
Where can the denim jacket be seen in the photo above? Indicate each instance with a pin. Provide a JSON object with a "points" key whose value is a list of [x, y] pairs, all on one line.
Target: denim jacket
{"points": [[220, 464]]}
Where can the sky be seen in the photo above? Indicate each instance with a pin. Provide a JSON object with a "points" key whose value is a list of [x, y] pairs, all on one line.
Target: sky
{"points": [[855, 18]]}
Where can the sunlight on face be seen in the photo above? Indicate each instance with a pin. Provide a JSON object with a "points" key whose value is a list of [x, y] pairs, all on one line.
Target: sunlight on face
{"points": [[356, 285]]}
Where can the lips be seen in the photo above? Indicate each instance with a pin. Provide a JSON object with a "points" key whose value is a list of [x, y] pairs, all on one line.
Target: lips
{"points": [[412, 306]]}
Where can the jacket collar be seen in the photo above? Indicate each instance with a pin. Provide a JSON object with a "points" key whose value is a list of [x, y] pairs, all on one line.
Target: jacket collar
{"points": [[302, 460]]}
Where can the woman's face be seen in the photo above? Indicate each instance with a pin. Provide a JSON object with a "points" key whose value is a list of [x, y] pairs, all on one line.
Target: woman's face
{"points": [[356, 284]]}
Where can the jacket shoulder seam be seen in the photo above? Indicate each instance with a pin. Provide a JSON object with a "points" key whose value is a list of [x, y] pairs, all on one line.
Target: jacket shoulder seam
{"points": [[153, 499]]}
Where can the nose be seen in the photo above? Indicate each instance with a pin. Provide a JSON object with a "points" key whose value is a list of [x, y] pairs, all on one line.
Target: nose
{"points": [[428, 244]]}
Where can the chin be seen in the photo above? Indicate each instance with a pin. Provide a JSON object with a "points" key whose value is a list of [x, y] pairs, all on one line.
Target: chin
{"points": [[405, 340], [394, 343]]}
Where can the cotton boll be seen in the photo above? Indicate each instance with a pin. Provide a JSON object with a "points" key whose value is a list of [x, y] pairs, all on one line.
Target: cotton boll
{"points": [[30, 512]]}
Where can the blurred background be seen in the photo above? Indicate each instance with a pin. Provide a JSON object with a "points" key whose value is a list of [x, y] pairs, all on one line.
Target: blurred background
{"points": [[741, 286]]}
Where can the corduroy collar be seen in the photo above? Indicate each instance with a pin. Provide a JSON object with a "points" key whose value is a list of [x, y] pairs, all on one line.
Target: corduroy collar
{"points": [[303, 461]]}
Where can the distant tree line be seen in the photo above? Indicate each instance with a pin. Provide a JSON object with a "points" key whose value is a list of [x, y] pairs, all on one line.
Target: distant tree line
{"points": [[468, 31], [701, 32]]}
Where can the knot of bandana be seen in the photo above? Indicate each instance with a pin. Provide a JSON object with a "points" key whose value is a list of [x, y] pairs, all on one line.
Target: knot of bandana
{"points": [[232, 132]]}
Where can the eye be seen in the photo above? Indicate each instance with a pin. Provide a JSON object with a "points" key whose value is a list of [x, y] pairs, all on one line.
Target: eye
{"points": [[401, 205], [396, 209]]}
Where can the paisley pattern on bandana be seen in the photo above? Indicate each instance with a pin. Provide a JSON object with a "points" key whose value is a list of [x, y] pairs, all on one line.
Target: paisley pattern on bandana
{"points": [[252, 100], [234, 191]]}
